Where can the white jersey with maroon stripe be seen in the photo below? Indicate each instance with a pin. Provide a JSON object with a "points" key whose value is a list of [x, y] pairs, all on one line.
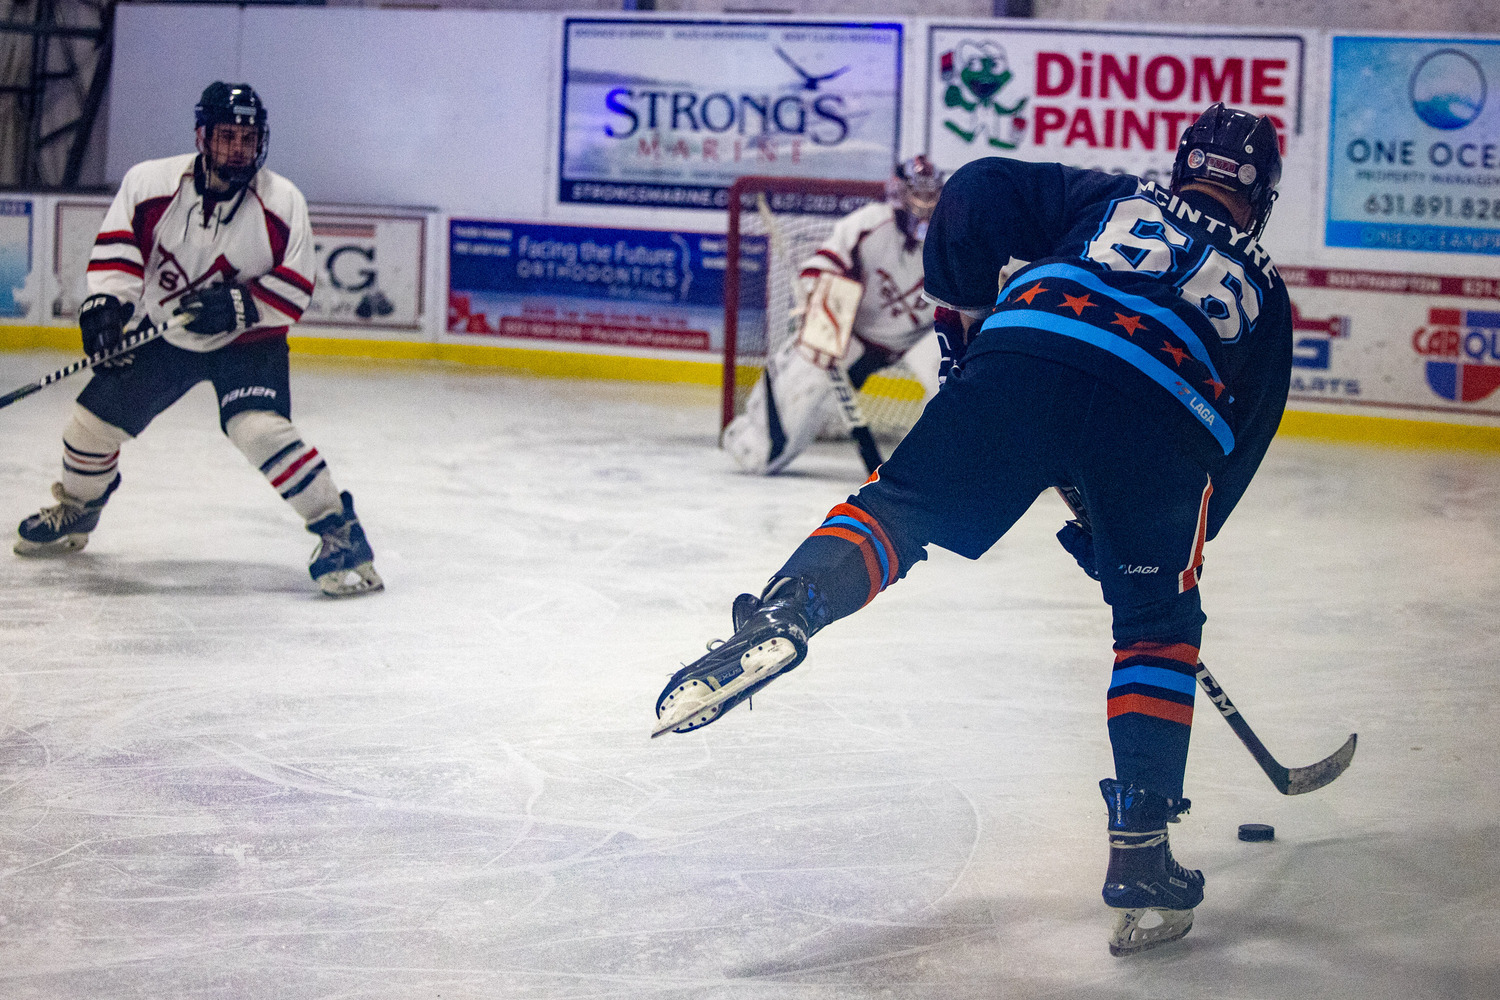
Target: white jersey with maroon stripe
{"points": [[161, 239], [869, 247]]}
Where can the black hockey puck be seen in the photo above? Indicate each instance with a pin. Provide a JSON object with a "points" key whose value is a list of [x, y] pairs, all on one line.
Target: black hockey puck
{"points": [[1257, 831]]}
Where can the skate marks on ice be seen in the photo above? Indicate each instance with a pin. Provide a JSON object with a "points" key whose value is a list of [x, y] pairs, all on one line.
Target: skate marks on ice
{"points": [[232, 791]]}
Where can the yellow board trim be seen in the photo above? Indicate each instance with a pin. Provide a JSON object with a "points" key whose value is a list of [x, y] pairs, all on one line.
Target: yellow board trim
{"points": [[568, 364], [1359, 428]]}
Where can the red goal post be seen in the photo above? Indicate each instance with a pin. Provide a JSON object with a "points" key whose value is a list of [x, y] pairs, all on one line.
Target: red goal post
{"points": [[806, 198]]}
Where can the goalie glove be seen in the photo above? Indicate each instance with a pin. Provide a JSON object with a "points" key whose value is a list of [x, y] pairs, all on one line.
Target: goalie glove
{"points": [[226, 308], [102, 320]]}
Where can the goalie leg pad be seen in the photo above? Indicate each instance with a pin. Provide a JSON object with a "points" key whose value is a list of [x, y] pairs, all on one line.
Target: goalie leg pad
{"points": [[784, 413]]}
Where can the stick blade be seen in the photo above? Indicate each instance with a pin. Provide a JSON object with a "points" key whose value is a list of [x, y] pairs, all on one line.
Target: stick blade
{"points": [[1314, 776]]}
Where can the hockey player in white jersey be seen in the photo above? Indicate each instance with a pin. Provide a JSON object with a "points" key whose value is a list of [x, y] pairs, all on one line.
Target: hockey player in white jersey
{"points": [[879, 247], [217, 240]]}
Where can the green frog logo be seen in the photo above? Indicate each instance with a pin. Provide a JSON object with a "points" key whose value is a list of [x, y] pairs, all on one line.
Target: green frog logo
{"points": [[974, 74]]}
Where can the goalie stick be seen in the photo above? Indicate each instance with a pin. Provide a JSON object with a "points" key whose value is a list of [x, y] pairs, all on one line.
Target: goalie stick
{"points": [[854, 418], [130, 343], [1288, 780]]}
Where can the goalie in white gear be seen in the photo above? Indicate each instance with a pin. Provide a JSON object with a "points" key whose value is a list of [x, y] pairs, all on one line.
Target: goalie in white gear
{"points": [[223, 247], [879, 246]]}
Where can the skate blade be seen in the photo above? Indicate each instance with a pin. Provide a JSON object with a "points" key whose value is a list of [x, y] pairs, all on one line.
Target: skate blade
{"points": [[695, 697], [362, 579], [66, 545], [1129, 937]]}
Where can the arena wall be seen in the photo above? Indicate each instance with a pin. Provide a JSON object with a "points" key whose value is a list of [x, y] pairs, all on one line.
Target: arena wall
{"points": [[441, 155]]}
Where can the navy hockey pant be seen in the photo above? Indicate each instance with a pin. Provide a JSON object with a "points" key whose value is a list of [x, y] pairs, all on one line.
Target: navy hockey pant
{"points": [[253, 376], [1000, 432]]}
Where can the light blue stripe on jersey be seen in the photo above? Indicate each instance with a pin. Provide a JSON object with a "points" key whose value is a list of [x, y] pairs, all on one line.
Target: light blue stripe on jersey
{"points": [[1202, 409], [1160, 677], [864, 529], [1161, 314]]}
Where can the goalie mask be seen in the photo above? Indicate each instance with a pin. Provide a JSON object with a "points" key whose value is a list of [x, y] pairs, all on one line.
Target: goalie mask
{"points": [[232, 132], [913, 191], [1236, 151]]}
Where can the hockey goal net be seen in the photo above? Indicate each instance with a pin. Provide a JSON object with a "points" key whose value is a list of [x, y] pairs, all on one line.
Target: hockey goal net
{"points": [[775, 225]]}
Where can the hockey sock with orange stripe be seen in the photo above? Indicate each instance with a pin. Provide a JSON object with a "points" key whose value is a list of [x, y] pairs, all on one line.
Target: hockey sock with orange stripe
{"points": [[1151, 713], [845, 562]]}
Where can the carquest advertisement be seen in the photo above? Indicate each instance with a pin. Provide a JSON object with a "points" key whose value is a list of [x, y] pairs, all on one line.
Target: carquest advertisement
{"points": [[623, 287], [1414, 145], [1389, 341], [669, 113], [1105, 100]]}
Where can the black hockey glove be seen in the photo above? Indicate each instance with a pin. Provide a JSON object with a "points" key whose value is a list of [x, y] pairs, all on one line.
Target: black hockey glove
{"points": [[1079, 542], [948, 324], [102, 319], [219, 309]]}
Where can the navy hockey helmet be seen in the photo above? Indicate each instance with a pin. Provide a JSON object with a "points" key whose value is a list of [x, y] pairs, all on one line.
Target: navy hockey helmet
{"points": [[232, 104], [1234, 150]]}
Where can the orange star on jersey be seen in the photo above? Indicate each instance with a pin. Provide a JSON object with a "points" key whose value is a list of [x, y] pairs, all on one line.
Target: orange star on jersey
{"points": [[1217, 386], [1030, 293], [1077, 303], [1130, 323], [1175, 353]]}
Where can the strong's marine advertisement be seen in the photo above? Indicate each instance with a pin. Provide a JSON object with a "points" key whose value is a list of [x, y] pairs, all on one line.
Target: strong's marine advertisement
{"points": [[669, 113], [1414, 145]]}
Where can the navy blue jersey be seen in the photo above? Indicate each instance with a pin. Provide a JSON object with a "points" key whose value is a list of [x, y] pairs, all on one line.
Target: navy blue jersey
{"points": [[1159, 295]]}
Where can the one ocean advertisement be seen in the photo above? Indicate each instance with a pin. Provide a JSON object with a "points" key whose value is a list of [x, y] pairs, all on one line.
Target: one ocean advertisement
{"points": [[669, 113], [581, 284], [1414, 145], [1103, 100], [15, 257]]}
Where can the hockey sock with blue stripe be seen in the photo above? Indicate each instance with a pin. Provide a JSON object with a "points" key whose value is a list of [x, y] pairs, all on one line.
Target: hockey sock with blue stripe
{"points": [[846, 561], [1151, 713]]}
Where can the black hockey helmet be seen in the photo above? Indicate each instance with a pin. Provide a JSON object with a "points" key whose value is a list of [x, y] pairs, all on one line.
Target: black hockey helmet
{"points": [[1234, 150], [232, 104]]}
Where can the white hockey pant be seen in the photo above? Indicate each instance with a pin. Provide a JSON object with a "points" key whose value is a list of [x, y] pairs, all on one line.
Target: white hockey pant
{"points": [[294, 469]]}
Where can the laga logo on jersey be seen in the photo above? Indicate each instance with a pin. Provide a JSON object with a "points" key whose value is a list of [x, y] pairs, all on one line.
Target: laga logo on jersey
{"points": [[1462, 348]]}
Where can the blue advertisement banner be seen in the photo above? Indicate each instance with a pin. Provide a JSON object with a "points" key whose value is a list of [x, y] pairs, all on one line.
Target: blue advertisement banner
{"points": [[15, 256], [1414, 145], [626, 287], [669, 113]]}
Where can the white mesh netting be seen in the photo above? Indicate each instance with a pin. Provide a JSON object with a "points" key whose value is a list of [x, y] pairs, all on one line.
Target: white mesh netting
{"points": [[777, 235]]}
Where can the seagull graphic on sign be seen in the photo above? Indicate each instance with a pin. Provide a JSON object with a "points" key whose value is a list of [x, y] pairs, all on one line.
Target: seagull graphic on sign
{"points": [[809, 80]]}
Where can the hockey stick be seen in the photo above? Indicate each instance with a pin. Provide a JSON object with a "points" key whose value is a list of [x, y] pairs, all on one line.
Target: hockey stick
{"points": [[130, 343], [1288, 780], [854, 418]]}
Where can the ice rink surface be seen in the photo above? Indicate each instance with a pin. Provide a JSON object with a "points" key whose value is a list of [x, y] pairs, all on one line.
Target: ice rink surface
{"points": [[216, 784]]}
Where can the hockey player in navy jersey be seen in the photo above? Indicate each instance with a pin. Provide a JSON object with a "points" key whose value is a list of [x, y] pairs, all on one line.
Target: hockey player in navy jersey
{"points": [[221, 241], [1140, 364]]}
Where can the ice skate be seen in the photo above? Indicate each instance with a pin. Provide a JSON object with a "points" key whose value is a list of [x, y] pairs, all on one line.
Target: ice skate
{"points": [[64, 528], [343, 563], [770, 638], [1152, 895]]}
